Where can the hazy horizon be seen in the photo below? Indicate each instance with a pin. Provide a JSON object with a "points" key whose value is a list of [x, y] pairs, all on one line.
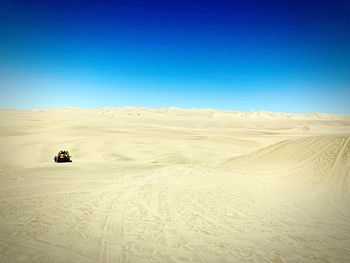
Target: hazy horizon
{"points": [[168, 108]]}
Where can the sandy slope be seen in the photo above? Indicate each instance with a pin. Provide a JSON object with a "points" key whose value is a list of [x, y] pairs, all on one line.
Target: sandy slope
{"points": [[173, 185]]}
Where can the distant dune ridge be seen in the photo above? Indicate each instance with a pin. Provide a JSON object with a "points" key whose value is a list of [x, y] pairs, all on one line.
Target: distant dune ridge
{"points": [[174, 185]]}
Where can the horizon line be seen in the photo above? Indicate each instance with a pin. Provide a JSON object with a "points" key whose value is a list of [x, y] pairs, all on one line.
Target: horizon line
{"points": [[167, 107]]}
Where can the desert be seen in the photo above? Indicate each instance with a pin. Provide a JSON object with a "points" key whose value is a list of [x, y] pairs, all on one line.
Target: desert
{"points": [[174, 185]]}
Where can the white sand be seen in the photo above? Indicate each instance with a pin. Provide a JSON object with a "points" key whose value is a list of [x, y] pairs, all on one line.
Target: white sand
{"points": [[172, 185]]}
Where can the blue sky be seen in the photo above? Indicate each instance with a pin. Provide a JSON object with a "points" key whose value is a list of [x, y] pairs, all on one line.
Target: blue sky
{"points": [[241, 55]]}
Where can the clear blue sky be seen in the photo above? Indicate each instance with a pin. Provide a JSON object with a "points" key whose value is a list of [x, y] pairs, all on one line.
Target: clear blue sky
{"points": [[241, 55]]}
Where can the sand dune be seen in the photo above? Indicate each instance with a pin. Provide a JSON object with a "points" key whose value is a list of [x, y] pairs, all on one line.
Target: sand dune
{"points": [[322, 155], [318, 159], [174, 185]]}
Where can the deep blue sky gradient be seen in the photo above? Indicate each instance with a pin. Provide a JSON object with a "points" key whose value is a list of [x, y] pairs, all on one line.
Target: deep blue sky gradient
{"points": [[241, 55]]}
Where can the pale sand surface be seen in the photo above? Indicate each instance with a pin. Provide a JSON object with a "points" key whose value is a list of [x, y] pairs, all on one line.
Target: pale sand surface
{"points": [[173, 185]]}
